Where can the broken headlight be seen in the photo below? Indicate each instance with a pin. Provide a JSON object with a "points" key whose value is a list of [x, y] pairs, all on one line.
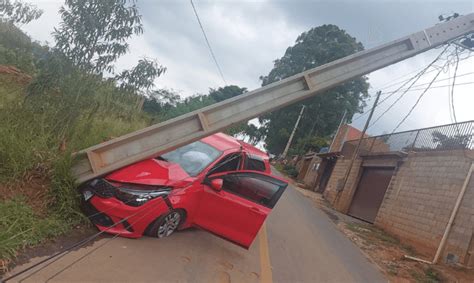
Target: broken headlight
{"points": [[136, 197]]}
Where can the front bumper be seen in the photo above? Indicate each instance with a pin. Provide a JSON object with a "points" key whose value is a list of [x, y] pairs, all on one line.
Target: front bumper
{"points": [[105, 213]]}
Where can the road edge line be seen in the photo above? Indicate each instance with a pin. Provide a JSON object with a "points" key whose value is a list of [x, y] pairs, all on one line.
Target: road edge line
{"points": [[265, 266]]}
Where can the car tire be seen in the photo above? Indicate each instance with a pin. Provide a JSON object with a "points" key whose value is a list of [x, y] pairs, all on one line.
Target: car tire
{"points": [[166, 224]]}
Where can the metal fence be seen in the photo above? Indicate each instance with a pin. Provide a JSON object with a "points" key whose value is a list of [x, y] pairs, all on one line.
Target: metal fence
{"points": [[445, 137]]}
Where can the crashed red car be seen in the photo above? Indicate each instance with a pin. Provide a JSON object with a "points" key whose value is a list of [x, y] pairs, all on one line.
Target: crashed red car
{"points": [[218, 184]]}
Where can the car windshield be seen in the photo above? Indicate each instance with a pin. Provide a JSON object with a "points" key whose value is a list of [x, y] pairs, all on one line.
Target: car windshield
{"points": [[193, 158]]}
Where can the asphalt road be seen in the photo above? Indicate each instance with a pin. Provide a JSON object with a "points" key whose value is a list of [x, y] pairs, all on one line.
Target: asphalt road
{"points": [[299, 243]]}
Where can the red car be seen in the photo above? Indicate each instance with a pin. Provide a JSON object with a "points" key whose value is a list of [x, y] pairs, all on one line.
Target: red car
{"points": [[218, 184]]}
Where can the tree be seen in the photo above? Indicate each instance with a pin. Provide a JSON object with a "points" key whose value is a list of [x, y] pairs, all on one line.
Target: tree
{"points": [[454, 142], [93, 33], [18, 12], [314, 48], [166, 104], [140, 77]]}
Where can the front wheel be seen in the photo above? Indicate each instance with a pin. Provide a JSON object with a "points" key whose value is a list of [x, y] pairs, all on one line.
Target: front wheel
{"points": [[166, 224]]}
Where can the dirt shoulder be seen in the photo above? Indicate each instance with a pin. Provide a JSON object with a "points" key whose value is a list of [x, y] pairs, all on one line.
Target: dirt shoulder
{"points": [[51, 246], [386, 251]]}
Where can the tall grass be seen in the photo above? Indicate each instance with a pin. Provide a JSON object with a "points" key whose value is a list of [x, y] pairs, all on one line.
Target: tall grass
{"points": [[39, 129]]}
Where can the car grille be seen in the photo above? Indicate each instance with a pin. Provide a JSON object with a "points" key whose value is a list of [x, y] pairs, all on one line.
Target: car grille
{"points": [[102, 188]]}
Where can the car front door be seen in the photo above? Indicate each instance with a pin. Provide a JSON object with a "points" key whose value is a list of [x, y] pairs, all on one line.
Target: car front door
{"points": [[237, 208]]}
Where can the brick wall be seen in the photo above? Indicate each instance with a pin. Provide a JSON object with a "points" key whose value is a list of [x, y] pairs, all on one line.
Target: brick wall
{"points": [[421, 197], [336, 180]]}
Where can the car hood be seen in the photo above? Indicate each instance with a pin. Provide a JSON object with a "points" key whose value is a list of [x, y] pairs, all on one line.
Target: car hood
{"points": [[152, 172]]}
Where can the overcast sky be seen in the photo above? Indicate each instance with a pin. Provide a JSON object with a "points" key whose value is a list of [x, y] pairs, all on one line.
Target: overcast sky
{"points": [[248, 35]]}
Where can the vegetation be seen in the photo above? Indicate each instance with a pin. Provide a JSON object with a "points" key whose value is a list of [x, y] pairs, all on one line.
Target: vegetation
{"points": [[323, 112], [55, 100]]}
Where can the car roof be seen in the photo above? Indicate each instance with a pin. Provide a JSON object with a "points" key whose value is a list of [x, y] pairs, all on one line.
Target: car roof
{"points": [[224, 142]]}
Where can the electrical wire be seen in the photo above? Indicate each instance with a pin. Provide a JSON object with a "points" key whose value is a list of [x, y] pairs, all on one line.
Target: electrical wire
{"points": [[404, 82], [68, 249], [416, 78], [208, 43], [65, 251], [417, 101], [96, 248], [452, 87]]}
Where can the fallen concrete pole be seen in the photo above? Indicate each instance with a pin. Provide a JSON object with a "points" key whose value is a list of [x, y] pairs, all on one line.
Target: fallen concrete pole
{"points": [[158, 139]]}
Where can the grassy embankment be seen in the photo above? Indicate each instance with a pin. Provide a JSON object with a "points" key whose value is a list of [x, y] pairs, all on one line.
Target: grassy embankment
{"points": [[45, 116]]}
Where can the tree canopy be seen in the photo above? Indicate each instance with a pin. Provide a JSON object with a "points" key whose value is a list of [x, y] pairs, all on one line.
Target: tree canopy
{"points": [[18, 12], [323, 112], [93, 33]]}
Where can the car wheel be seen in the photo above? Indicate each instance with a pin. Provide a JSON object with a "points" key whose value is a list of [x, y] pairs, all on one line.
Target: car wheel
{"points": [[166, 224]]}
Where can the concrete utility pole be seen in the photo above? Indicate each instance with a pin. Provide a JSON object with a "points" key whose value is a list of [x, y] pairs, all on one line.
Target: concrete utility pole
{"points": [[287, 147], [356, 152], [106, 157], [338, 128]]}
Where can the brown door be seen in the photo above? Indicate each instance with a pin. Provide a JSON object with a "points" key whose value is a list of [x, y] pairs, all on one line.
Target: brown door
{"points": [[370, 192]]}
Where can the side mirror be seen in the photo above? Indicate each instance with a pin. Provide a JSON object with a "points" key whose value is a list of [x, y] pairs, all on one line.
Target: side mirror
{"points": [[216, 184]]}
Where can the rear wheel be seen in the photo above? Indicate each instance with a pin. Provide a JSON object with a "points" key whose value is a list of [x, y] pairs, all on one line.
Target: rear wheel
{"points": [[166, 224]]}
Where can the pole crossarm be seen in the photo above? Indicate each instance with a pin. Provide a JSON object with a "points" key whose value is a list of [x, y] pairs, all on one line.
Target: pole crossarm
{"points": [[152, 141]]}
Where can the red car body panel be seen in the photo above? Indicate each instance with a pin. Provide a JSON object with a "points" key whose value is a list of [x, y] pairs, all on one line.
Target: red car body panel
{"points": [[220, 212]]}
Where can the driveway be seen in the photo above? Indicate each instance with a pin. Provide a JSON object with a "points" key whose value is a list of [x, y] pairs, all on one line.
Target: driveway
{"points": [[299, 243]]}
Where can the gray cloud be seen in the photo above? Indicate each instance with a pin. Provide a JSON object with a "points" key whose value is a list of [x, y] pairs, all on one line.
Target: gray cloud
{"points": [[248, 35]]}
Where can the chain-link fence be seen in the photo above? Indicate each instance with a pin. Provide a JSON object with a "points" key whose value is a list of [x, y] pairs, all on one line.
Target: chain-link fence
{"points": [[445, 137]]}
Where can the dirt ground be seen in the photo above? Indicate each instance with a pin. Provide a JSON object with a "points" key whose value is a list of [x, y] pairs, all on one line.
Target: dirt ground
{"points": [[387, 252], [79, 233]]}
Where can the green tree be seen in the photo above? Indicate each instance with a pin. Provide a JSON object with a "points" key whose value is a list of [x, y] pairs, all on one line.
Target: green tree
{"points": [[18, 12], [454, 142], [93, 33], [140, 77], [165, 104], [314, 48]]}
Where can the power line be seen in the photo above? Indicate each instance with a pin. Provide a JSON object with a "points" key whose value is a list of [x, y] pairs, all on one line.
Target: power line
{"points": [[418, 100], [415, 79], [404, 82], [452, 87], [207, 42]]}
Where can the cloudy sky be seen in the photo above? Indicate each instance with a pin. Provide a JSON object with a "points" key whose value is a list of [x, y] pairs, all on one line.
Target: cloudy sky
{"points": [[248, 35]]}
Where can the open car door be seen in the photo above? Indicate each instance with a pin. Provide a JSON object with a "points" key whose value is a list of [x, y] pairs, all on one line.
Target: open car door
{"points": [[234, 205]]}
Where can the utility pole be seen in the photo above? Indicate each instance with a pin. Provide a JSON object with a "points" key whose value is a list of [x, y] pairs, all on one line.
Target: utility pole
{"points": [[98, 160], [287, 147], [356, 152], [338, 128]]}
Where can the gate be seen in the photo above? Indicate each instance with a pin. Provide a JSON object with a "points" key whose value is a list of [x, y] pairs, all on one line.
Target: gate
{"points": [[370, 192]]}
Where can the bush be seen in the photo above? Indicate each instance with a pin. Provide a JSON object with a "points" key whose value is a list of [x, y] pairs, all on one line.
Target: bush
{"points": [[290, 170]]}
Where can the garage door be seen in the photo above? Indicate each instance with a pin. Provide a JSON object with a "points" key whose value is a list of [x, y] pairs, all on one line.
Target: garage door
{"points": [[370, 192]]}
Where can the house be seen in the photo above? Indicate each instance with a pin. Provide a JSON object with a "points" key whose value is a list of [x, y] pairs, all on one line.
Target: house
{"points": [[408, 183], [316, 168]]}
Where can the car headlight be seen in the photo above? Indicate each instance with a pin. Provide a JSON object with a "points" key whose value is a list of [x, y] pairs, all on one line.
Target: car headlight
{"points": [[139, 197]]}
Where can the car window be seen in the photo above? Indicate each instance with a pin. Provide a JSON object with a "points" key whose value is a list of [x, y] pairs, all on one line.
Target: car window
{"points": [[258, 190], [255, 164], [193, 158], [230, 162]]}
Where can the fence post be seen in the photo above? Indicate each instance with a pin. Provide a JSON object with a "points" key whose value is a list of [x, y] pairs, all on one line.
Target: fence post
{"points": [[414, 141]]}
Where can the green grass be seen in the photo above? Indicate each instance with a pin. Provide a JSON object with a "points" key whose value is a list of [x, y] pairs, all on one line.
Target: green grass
{"points": [[20, 227], [32, 130]]}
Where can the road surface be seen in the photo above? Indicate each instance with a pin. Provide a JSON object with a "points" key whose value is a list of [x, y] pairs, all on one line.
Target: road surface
{"points": [[299, 243]]}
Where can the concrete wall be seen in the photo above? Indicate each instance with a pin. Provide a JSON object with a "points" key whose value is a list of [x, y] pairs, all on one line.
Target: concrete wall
{"points": [[421, 197], [333, 189], [312, 173]]}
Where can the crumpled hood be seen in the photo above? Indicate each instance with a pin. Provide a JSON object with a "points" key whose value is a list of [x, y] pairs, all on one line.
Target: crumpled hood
{"points": [[151, 172]]}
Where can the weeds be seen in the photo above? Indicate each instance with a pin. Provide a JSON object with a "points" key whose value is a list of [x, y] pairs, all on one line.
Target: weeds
{"points": [[20, 227]]}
